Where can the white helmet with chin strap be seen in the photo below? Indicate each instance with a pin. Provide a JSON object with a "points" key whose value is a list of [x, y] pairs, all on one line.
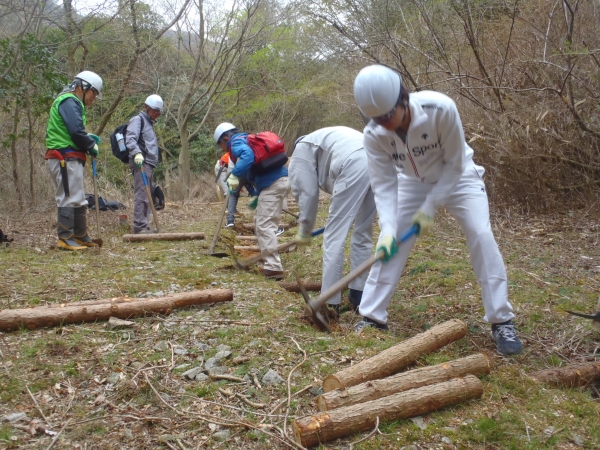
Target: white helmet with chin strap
{"points": [[155, 102], [88, 80], [223, 128], [376, 90]]}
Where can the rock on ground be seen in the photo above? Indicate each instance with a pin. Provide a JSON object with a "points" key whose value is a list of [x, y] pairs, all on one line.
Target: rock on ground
{"points": [[272, 377]]}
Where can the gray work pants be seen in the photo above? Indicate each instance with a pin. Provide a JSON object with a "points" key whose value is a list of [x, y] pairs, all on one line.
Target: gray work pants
{"points": [[75, 172], [352, 202], [141, 202]]}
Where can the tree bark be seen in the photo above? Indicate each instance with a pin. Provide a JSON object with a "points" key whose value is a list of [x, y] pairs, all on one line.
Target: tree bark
{"points": [[327, 426], [569, 376], [162, 237], [396, 358], [314, 286], [31, 318], [425, 376]]}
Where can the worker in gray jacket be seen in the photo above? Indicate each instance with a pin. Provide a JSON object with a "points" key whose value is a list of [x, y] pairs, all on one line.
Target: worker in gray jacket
{"points": [[333, 159], [143, 155]]}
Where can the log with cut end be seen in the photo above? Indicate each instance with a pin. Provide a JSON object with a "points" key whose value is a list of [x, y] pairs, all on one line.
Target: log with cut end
{"points": [[371, 390], [250, 226], [163, 237], [31, 318], [396, 358], [308, 285], [327, 426], [569, 376]]}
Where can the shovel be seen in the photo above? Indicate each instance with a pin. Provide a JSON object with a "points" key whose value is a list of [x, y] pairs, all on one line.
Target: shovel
{"points": [[211, 251], [150, 200], [245, 263], [99, 240], [313, 307]]}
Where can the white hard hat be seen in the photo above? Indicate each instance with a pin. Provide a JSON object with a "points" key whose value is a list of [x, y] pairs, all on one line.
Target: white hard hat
{"points": [[223, 128], [376, 90], [91, 80], [155, 102]]}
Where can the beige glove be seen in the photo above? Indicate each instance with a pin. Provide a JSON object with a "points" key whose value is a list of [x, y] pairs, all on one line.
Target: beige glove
{"points": [[424, 221]]}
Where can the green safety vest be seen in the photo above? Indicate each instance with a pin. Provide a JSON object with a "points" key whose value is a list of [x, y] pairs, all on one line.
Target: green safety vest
{"points": [[57, 136]]}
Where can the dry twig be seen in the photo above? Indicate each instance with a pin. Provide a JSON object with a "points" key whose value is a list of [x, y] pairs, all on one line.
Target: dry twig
{"points": [[38, 406], [57, 435], [289, 388]]}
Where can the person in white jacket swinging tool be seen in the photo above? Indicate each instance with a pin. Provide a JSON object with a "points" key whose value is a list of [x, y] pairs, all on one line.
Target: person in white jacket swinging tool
{"points": [[418, 160]]}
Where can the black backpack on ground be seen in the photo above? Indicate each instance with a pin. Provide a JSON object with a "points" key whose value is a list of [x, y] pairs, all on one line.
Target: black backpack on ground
{"points": [[158, 198], [123, 155], [103, 204]]}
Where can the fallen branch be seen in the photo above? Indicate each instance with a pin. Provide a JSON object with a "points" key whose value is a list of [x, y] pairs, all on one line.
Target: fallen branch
{"points": [[330, 425], [289, 385], [31, 318], [250, 226], [569, 376], [250, 402], [396, 358], [228, 378], [163, 237]]}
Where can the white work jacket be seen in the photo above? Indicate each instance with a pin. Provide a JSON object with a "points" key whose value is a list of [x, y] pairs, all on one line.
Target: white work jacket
{"points": [[318, 165], [435, 153]]}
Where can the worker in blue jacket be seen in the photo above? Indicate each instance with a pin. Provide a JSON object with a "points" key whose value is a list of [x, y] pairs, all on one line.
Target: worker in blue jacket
{"points": [[271, 189]]}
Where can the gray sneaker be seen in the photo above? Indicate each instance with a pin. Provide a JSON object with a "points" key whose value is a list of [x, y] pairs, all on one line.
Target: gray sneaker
{"points": [[369, 323], [507, 341]]}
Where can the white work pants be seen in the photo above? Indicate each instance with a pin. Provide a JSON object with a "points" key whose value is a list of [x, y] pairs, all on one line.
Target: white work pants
{"points": [[266, 221], [469, 206], [352, 202]]}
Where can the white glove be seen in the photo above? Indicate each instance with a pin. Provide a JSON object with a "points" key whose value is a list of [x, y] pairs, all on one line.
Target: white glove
{"points": [[138, 159]]}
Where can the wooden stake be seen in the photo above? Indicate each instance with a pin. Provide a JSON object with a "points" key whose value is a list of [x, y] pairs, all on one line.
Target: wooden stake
{"points": [[31, 318], [396, 358], [371, 390], [569, 376], [327, 426], [162, 237]]}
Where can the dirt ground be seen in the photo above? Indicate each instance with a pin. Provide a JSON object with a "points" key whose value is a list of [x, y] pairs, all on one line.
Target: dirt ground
{"points": [[85, 385]]}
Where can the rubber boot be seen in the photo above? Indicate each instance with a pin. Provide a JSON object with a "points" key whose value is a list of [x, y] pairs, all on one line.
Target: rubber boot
{"points": [[355, 296], [66, 224], [81, 235]]}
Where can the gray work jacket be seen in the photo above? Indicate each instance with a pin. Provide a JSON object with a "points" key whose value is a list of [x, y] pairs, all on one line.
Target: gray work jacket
{"points": [[146, 143]]}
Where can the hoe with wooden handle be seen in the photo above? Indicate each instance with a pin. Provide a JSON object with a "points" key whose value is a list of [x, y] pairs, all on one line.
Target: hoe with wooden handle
{"points": [[312, 307]]}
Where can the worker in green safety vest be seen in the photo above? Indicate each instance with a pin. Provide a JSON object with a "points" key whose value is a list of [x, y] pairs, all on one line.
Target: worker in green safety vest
{"points": [[68, 144]]}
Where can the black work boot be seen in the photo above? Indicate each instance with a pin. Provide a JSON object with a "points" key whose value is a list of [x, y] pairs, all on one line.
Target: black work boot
{"points": [[355, 296], [66, 224], [81, 235]]}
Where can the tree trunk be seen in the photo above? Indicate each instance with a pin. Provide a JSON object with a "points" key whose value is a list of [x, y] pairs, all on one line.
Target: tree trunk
{"points": [[183, 163], [162, 237], [569, 376], [308, 285], [31, 318], [327, 426], [396, 358], [15, 156], [425, 376]]}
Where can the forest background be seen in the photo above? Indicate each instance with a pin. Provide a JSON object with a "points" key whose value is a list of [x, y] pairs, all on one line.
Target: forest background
{"points": [[525, 75]]}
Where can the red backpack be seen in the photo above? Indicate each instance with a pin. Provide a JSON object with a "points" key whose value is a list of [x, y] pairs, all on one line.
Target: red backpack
{"points": [[269, 151]]}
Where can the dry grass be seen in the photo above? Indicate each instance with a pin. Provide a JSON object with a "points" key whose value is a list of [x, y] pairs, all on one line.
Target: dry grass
{"points": [[119, 389]]}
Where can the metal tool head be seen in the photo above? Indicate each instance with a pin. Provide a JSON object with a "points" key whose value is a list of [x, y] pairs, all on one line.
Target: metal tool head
{"points": [[317, 317], [594, 317]]}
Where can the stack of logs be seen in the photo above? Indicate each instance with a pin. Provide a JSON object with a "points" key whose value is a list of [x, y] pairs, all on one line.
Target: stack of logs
{"points": [[359, 396]]}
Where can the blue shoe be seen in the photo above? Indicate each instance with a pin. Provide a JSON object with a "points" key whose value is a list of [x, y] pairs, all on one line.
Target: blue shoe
{"points": [[507, 341]]}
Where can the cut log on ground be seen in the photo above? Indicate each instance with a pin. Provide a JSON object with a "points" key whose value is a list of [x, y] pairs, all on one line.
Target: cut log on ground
{"points": [[569, 376], [256, 248], [308, 285], [327, 426], [250, 226], [31, 318], [425, 376], [396, 358], [163, 237]]}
